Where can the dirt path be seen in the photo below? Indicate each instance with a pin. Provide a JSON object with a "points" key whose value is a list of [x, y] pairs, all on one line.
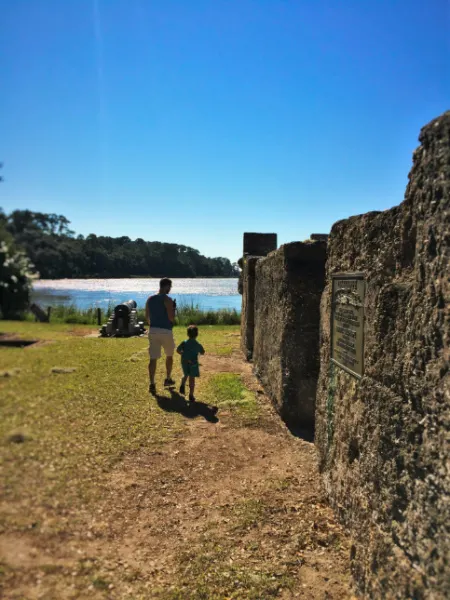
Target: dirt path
{"points": [[224, 511]]}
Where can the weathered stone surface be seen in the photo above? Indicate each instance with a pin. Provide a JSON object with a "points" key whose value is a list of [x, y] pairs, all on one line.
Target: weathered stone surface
{"points": [[256, 245], [248, 305], [384, 441], [259, 244], [289, 284], [241, 279], [319, 237]]}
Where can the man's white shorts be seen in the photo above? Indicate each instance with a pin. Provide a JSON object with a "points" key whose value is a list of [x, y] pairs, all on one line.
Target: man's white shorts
{"points": [[158, 341]]}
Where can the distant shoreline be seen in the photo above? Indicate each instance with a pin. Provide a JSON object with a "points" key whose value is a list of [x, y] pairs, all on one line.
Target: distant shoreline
{"points": [[133, 277]]}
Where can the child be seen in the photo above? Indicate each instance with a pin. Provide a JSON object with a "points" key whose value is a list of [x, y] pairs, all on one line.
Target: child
{"points": [[189, 350]]}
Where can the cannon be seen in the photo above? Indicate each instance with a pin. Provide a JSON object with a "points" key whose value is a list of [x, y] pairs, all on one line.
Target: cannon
{"points": [[123, 321]]}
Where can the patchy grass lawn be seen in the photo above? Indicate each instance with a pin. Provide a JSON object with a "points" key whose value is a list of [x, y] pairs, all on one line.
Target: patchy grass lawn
{"points": [[108, 492], [81, 404]]}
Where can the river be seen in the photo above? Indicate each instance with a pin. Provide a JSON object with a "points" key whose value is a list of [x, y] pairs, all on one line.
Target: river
{"points": [[208, 294]]}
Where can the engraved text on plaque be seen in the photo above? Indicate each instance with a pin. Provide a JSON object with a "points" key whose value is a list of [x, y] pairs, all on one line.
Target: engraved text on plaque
{"points": [[347, 322]]}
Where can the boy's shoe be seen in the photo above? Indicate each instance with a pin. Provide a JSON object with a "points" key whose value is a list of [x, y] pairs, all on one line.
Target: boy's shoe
{"points": [[191, 398], [152, 389], [182, 389], [169, 382]]}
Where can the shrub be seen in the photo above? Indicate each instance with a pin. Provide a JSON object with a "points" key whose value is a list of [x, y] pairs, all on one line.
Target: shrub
{"points": [[16, 276]]}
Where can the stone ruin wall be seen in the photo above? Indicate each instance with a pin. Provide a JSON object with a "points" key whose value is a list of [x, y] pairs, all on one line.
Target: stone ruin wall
{"points": [[259, 244], [288, 286], [248, 306], [256, 245], [384, 440]]}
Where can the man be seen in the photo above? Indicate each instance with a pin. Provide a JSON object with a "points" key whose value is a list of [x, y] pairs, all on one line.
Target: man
{"points": [[160, 313]]}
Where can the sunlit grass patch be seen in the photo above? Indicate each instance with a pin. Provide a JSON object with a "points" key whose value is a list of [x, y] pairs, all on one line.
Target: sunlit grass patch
{"points": [[228, 391], [214, 572], [248, 513], [62, 433], [45, 331], [75, 424], [221, 350]]}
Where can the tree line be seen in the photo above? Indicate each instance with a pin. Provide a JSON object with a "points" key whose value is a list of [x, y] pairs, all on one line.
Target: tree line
{"points": [[56, 252]]}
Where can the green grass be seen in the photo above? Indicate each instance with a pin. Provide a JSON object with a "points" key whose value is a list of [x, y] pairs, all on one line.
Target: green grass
{"points": [[62, 493], [229, 392], [76, 425], [186, 315], [191, 313], [218, 574], [70, 314]]}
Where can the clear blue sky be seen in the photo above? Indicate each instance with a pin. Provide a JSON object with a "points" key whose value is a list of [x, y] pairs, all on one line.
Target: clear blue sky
{"points": [[192, 121]]}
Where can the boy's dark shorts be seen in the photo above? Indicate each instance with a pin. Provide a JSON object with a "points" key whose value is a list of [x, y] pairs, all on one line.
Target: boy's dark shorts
{"points": [[190, 370]]}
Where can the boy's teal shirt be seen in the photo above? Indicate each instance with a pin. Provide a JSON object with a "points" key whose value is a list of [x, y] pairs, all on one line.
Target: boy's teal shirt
{"points": [[191, 349]]}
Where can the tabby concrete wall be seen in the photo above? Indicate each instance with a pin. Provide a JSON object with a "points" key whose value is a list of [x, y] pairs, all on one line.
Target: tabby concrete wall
{"points": [[255, 246], [384, 440], [248, 305], [259, 244], [288, 288]]}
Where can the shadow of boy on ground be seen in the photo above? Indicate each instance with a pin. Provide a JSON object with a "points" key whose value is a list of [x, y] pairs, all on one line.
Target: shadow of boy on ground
{"points": [[190, 410]]}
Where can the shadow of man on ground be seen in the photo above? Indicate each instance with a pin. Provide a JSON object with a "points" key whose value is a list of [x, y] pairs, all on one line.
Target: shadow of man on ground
{"points": [[190, 410]]}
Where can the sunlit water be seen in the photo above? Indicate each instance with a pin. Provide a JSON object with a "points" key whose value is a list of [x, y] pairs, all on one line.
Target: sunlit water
{"points": [[210, 294]]}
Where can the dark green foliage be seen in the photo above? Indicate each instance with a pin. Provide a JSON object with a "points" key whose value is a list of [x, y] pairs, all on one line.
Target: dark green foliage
{"points": [[57, 253], [15, 277], [191, 314]]}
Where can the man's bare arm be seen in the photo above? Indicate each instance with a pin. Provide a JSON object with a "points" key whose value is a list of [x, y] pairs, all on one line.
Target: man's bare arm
{"points": [[170, 309], [147, 312]]}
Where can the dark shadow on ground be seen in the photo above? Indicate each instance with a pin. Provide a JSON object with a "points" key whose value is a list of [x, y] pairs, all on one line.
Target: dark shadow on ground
{"points": [[304, 433], [16, 343], [190, 410]]}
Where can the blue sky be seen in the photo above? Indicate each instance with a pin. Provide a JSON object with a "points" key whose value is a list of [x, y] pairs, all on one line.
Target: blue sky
{"points": [[193, 121]]}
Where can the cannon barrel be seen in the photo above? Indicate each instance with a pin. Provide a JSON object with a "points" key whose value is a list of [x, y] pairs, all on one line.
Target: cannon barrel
{"points": [[124, 308], [123, 321]]}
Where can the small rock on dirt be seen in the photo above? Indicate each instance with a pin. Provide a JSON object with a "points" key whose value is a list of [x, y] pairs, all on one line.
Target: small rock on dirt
{"points": [[9, 372], [17, 438]]}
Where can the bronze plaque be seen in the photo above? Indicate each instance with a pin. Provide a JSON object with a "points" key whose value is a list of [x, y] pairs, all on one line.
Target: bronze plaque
{"points": [[347, 322]]}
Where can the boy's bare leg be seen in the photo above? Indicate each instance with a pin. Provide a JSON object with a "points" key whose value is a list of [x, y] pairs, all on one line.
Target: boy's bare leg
{"points": [[191, 387], [183, 383]]}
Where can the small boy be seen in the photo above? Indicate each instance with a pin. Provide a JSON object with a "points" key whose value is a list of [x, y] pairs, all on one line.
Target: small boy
{"points": [[189, 350]]}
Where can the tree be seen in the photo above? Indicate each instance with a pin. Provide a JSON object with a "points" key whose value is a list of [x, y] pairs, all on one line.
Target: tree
{"points": [[57, 253], [16, 275]]}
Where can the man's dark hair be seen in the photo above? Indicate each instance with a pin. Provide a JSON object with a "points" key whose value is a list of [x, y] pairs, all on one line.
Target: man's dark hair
{"points": [[192, 331], [165, 282]]}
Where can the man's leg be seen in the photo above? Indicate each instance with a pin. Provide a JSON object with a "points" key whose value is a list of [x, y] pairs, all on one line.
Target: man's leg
{"points": [[169, 348], [152, 369], [155, 354], [169, 366]]}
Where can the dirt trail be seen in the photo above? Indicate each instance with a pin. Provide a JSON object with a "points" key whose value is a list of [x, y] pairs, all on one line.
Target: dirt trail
{"points": [[255, 492], [224, 511]]}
